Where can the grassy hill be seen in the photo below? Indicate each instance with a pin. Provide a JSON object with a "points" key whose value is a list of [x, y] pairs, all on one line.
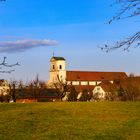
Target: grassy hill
{"points": [[70, 121]]}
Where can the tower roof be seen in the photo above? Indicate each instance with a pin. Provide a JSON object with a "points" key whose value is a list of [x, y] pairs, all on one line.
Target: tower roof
{"points": [[57, 58]]}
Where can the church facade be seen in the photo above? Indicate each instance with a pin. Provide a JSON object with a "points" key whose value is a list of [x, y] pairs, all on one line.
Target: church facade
{"points": [[58, 73]]}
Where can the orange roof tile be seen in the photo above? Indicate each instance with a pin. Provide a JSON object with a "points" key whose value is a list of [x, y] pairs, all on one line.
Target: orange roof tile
{"points": [[80, 88], [94, 76], [107, 86]]}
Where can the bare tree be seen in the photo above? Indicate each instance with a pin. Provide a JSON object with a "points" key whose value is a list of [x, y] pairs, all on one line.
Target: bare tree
{"points": [[36, 85], [13, 85], [129, 8], [1, 97], [85, 95], [72, 94], [61, 88], [131, 88], [131, 75]]}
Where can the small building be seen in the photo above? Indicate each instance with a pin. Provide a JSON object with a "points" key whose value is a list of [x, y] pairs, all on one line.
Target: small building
{"points": [[43, 95], [104, 89], [4, 87]]}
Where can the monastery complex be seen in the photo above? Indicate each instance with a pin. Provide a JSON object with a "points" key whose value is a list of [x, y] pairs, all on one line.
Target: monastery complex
{"points": [[58, 72]]}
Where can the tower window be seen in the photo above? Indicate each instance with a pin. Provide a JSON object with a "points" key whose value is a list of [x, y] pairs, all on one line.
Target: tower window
{"points": [[60, 66], [53, 67]]}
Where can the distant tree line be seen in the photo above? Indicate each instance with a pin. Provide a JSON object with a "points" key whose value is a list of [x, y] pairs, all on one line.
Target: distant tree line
{"points": [[127, 90]]}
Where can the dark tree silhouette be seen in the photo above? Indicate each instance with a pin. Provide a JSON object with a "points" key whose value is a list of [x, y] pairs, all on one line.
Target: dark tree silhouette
{"points": [[129, 8], [62, 88], [72, 96], [13, 90]]}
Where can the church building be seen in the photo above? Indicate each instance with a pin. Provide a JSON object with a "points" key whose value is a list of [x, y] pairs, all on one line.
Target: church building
{"points": [[59, 73]]}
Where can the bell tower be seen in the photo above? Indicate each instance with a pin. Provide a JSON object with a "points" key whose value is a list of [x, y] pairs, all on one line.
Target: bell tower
{"points": [[57, 70]]}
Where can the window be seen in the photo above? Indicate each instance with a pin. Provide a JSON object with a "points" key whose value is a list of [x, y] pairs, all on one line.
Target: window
{"points": [[53, 67], [60, 67], [98, 88], [75, 83]]}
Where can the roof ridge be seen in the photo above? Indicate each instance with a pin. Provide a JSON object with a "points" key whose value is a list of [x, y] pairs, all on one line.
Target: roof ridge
{"points": [[96, 71], [57, 58]]}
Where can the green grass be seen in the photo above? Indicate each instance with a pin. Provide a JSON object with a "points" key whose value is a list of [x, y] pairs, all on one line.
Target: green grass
{"points": [[70, 121]]}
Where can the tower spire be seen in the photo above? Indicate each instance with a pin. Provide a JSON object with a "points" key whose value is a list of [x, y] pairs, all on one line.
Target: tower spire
{"points": [[53, 54]]}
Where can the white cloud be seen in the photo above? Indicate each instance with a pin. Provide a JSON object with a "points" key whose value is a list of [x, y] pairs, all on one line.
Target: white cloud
{"points": [[23, 45]]}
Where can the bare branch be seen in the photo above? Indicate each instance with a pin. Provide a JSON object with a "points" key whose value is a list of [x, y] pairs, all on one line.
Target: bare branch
{"points": [[4, 64], [10, 71], [130, 8], [133, 41]]}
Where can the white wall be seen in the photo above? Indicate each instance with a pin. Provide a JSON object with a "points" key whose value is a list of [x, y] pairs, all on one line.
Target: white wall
{"points": [[92, 83], [57, 71], [100, 91], [75, 83], [84, 83], [99, 82]]}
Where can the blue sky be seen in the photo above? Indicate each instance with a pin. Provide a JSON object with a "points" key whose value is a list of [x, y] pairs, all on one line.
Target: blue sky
{"points": [[74, 29]]}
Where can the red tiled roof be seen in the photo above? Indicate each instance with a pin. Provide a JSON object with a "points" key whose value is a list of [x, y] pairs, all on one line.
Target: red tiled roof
{"points": [[94, 76], [80, 88], [107, 86]]}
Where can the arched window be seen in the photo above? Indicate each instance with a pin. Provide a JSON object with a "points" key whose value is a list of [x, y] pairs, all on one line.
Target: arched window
{"points": [[60, 67]]}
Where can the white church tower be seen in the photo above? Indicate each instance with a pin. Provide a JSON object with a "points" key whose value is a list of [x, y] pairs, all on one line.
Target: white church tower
{"points": [[57, 70]]}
